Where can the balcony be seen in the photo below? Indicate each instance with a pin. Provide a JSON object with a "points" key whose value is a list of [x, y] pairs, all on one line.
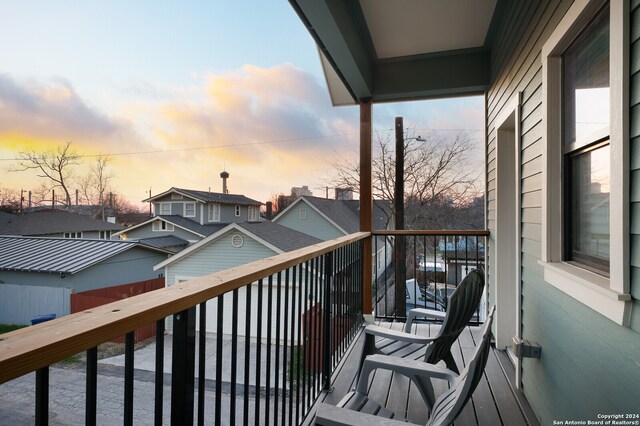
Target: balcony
{"points": [[287, 336]]}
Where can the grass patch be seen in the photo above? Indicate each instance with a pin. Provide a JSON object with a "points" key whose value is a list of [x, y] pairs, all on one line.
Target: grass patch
{"points": [[5, 328]]}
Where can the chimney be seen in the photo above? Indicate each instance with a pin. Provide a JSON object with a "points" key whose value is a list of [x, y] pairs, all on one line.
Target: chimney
{"points": [[224, 175], [269, 210]]}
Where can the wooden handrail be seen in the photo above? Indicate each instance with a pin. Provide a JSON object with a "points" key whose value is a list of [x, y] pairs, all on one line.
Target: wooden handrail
{"points": [[32, 348], [437, 232]]}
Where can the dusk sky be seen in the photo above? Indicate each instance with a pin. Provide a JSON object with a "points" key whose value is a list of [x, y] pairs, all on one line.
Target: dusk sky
{"points": [[177, 92]]}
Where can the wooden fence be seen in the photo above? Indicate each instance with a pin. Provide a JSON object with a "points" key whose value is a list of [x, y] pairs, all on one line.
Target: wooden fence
{"points": [[90, 299]]}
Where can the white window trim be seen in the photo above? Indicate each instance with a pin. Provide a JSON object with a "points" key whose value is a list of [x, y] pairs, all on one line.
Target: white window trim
{"points": [[608, 296], [184, 212], [238, 210], [253, 213], [302, 213], [161, 205], [168, 227], [214, 208]]}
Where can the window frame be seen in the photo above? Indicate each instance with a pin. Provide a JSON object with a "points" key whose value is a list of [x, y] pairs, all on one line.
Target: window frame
{"points": [[162, 205], [238, 210], [185, 210], [252, 214], [213, 212], [162, 226], [606, 295], [302, 213]]}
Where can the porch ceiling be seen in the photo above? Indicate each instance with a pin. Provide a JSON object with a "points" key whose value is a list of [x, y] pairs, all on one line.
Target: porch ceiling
{"points": [[405, 49]]}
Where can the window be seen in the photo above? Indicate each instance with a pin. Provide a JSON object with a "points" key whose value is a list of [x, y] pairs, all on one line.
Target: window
{"points": [[189, 209], [253, 213], [73, 234], [175, 196], [105, 235], [585, 146], [585, 78], [213, 212], [161, 225], [237, 211], [302, 213], [165, 209]]}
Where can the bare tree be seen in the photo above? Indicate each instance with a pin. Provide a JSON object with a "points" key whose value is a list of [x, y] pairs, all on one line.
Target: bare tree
{"points": [[95, 186], [56, 167], [438, 175], [9, 200]]}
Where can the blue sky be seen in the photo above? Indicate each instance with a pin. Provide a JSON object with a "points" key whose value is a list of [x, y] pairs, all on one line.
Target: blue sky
{"points": [[170, 78]]}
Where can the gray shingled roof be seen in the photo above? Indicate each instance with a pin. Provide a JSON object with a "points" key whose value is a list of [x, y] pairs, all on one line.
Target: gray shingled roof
{"points": [[163, 242], [207, 196], [57, 255], [346, 213], [286, 239], [191, 225], [43, 223]]}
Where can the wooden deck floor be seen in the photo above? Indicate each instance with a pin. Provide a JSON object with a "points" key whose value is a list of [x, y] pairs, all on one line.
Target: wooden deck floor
{"points": [[493, 403]]}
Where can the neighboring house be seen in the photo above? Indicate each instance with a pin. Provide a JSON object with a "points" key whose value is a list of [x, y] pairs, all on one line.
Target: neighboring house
{"points": [[192, 215], [461, 257], [561, 87], [37, 274], [233, 245], [57, 223], [326, 219]]}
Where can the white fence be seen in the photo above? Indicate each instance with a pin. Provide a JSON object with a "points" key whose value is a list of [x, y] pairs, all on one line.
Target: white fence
{"points": [[20, 303]]}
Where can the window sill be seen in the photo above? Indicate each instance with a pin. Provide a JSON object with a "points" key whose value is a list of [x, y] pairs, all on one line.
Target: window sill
{"points": [[590, 289]]}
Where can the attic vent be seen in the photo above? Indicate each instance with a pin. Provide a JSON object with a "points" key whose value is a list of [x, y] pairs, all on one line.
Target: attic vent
{"points": [[175, 196], [237, 241], [303, 213]]}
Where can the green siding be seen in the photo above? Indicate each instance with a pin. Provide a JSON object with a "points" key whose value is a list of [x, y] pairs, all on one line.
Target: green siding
{"points": [[589, 364], [217, 256], [314, 225]]}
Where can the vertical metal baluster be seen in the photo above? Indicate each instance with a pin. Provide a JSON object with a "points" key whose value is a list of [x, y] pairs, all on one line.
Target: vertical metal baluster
{"points": [[292, 342], [247, 355], [299, 340], [305, 339], [326, 334], [201, 360], [219, 359], [159, 375], [268, 366], [376, 284], [435, 274], [234, 357], [258, 352], [455, 261], [287, 393], [183, 366], [314, 316], [277, 372], [92, 387], [42, 396], [128, 378]]}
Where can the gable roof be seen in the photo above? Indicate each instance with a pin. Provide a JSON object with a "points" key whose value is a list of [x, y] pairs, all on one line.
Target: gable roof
{"points": [[276, 237], [181, 222], [59, 255], [208, 197], [164, 242], [344, 214], [52, 222]]}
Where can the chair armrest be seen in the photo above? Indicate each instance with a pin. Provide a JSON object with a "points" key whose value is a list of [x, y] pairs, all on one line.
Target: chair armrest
{"points": [[335, 416], [407, 367], [422, 312], [402, 336]]}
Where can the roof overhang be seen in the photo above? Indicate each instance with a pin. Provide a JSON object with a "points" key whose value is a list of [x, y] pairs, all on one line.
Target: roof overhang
{"points": [[402, 50]]}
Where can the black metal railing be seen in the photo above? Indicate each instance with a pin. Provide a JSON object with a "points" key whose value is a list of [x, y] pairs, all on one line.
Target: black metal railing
{"points": [[281, 326], [422, 269]]}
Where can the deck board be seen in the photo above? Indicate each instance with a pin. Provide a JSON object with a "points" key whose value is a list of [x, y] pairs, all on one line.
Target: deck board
{"points": [[493, 402]]}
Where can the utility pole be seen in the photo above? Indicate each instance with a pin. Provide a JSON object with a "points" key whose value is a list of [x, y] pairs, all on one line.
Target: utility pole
{"points": [[150, 200], [398, 204]]}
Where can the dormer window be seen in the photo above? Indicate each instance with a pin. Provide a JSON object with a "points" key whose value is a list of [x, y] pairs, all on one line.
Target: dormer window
{"points": [[237, 211], [165, 209], [161, 225], [213, 212], [189, 209], [253, 213]]}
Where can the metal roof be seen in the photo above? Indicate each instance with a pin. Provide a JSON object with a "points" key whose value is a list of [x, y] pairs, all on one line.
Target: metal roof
{"points": [[58, 255]]}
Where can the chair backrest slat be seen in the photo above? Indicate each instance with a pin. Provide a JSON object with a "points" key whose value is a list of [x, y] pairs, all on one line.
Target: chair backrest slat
{"points": [[449, 404]]}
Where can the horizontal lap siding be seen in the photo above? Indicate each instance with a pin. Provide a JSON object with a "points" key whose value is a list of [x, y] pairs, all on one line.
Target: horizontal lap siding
{"points": [[589, 364]]}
